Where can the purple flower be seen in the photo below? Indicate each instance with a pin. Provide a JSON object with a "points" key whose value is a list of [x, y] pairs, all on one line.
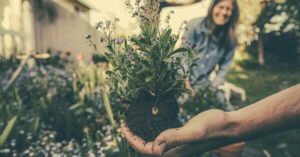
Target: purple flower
{"points": [[102, 39], [99, 24], [88, 36]]}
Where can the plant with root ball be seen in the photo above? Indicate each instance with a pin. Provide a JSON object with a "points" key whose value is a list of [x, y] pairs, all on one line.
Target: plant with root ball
{"points": [[148, 72]]}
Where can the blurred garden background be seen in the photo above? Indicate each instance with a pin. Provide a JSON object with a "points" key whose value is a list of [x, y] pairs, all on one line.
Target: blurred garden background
{"points": [[53, 95]]}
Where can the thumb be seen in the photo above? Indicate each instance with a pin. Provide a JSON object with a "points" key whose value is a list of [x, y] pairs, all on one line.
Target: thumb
{"points": [[166, 140]]}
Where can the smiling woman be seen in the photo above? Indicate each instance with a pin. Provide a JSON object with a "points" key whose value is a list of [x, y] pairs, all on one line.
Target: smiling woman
{"points": [[222, 12], [215, 40]]}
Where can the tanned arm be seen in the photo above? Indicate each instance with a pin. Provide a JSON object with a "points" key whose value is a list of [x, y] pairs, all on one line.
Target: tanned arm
{"points": [[273, 114], [215, 128]]}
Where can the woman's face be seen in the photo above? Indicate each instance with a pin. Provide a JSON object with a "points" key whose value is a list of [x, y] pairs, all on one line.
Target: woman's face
{"points": [[222, 12]]}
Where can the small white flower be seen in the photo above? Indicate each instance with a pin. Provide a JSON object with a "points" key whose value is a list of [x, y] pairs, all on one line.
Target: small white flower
{"points": [[31, 154], [13, 143], [58, 145], [98, 144], [91, 154], [26, 151], [45, 138], [6, 150], [47, 147], [51, 135], [21, 132]]}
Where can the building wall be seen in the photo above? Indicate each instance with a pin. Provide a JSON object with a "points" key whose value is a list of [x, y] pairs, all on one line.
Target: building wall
{"points": [[11, 34], [3, 5], [66, 34]]}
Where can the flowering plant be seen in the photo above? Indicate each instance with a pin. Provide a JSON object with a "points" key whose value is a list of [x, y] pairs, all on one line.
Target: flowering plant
{"points": [[148, 72]]}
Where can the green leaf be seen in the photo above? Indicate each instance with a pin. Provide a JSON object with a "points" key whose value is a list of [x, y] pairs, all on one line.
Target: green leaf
{"points": [[152, 93], [108, 72], [149, 78], [1, 105], [167, 36], [141, 45], [36, 124], [79, 112], [168, 60], [75, 106], [7, 130], [126, 45], [110, 48], [194, 64], [89, 110], [143, 41], [190, 56], [182, 49]]}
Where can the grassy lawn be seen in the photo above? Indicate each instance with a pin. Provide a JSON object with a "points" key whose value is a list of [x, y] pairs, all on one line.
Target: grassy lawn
{"points": [[260, 83]]}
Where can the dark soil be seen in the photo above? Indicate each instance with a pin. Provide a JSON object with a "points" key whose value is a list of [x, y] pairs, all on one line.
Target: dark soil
{"points": [[142, 122]]}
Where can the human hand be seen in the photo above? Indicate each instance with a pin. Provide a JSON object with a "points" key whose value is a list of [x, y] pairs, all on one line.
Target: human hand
{"points": [[200, 134], [190, 94], [187, 85]]}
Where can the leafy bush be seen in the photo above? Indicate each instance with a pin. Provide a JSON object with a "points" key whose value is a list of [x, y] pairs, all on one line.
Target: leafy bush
{"points": [[203, 100], [58, 111]]}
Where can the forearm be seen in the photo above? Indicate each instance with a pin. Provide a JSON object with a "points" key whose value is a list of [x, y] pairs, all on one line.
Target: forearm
{"points": [[215, 128], [273, 114]]}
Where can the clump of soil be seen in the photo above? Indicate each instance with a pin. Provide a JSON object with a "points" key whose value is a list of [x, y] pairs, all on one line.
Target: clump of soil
{"points": [[145, 124]]}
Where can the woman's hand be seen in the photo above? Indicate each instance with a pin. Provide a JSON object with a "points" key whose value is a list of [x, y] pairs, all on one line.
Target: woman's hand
{"points": [[194, 137], [187, 85]]}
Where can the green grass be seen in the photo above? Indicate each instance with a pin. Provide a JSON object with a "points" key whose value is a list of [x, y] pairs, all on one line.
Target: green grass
{"points": [[260, 83]]}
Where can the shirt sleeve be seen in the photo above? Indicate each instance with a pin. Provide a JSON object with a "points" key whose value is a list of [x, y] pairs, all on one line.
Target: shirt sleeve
{"points": [[224, 67]]}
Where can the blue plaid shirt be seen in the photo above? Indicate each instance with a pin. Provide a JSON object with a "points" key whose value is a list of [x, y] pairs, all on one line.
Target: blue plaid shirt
{"points": [[210, 54]]}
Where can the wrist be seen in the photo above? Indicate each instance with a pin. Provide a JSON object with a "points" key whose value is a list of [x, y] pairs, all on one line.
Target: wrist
{"points": [[235, 126], [222, 129], [229, 128], [221, 126]]}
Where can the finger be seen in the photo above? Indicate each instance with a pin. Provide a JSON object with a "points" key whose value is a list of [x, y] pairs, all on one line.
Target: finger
{"points": [[167, 140], [136, 142]]}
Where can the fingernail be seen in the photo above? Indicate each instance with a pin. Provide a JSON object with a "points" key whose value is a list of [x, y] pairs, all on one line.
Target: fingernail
{"points": [[162, 147]]}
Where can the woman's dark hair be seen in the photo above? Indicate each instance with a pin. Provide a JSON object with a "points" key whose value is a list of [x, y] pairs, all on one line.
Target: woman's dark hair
{"points": [[226, 35]]}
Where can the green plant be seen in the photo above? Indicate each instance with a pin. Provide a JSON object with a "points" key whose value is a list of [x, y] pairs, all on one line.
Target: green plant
{"points": [[60, 112], [204, 99], [41, 98], [7, 130], [148, 72]]}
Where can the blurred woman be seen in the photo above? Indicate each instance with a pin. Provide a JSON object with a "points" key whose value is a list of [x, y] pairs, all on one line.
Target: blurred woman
{"points": [[214, 38]]}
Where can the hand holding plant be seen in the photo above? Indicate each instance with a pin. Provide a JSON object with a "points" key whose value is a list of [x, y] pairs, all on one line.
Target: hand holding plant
{"points": [[200, 134]]}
